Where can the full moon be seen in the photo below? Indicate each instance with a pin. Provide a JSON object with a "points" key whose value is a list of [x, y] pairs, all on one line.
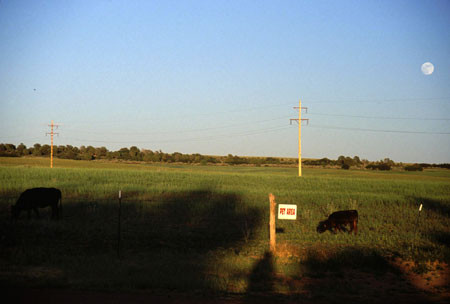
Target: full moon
{"points": [[427, 68]]}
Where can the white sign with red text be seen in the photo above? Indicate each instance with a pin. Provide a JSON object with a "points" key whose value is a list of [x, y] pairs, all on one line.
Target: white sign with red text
{"points": [[287, 212]]}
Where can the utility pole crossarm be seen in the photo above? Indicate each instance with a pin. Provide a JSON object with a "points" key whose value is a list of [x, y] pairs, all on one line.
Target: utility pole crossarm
{"points": [[303, 108], [296, 120]]}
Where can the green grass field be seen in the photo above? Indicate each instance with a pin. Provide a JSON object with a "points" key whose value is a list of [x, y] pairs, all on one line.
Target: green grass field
{"points": [[193, 228]]}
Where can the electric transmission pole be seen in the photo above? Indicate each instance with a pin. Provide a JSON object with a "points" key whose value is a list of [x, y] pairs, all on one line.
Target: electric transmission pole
{"points": [[52, 125], [299, 121]]}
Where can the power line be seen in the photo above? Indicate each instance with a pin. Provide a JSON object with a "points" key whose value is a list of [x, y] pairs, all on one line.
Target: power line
{"points": [[381, 100], [380, 117], [310, 100], [21, 139], [378, 130], [187, 116], [179, 131], [247, 133]]}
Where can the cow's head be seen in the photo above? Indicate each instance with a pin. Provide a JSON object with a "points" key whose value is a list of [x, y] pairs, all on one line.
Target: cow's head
{"points": [[323, 226]]}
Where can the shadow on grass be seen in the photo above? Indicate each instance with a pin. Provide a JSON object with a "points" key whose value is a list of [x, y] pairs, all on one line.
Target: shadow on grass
{"points": [[261, 279], [439, 207], [434, 231], [441, 237], [356, 274], [320, 261], [172, 242], [351, 274], [198, 221]]}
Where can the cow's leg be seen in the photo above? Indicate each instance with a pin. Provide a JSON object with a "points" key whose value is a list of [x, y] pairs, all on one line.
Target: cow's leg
{"points": [[335, 228], [36, 211], [355, 225], [55, 212], [352, 226], [342, 227]]}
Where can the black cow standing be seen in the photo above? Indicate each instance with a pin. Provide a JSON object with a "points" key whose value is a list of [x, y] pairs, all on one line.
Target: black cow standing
{"points": [[338, 220], [35, 198]]}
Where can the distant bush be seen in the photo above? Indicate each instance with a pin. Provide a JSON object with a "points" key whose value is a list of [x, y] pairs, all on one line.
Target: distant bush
{"points": [[8, 150], [271, 160], [135, 154], [384, 167], [235, 160], [444, 166], [320, 162], [2, 154], [424, 165], [381, 167], [415, 167]]}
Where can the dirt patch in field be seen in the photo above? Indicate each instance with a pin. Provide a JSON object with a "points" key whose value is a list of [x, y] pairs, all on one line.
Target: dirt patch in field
{"points": [[267, 285], [431, 277], [365, 287], [360, 275]]}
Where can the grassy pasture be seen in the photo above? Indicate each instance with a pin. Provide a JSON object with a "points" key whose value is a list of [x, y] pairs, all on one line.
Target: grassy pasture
{"points": [[193, 228]]}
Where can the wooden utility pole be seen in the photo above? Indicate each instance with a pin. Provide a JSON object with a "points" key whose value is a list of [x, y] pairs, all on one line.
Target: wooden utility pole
{"points": [[51, 141], [299, 137], [299, 121], [272, 225]]}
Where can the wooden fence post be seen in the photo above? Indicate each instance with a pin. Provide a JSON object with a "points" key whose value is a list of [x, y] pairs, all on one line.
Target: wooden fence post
{"points": [[272, 225]]}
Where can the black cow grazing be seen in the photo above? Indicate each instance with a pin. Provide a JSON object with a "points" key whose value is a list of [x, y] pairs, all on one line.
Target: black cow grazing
{"points": [[338, 220], [35, 198]]}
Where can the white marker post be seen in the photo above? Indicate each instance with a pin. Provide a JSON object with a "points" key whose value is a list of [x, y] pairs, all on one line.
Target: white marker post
{"points": [[417, 225]]}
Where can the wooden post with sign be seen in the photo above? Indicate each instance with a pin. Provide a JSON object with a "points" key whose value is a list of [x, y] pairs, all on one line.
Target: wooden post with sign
{"points": [[272, 226], [287, 212]]}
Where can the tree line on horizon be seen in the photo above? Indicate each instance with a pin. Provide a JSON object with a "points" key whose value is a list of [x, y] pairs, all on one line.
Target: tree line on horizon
{"points": [[135, 154]]}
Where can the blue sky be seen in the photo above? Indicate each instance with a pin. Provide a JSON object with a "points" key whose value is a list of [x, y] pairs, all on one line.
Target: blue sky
{"points": [[220, 77]]}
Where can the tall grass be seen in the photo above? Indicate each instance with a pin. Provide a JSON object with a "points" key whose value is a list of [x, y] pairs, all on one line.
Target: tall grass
{"points": [[211, 222]]}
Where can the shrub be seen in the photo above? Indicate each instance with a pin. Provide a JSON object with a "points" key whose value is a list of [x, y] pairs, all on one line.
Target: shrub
{"points": [[415, 167], [381, 167], [384, 167], [345, 166]]}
